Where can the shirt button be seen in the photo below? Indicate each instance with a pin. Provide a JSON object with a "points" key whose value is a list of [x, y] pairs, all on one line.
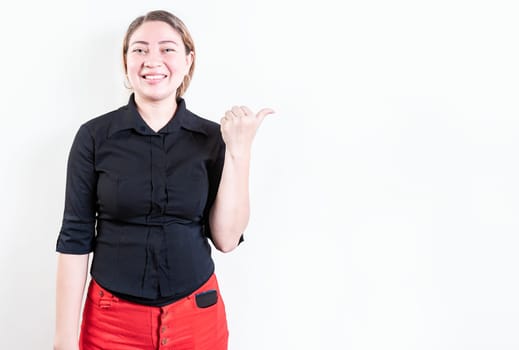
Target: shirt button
{"points": [[164, 341]]}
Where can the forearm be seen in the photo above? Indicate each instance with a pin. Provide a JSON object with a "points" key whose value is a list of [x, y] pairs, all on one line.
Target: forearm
{"points": [[230, 213], [70, 286]]}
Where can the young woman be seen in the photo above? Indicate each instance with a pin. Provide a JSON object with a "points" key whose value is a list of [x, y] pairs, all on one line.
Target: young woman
{"points": [[147, 185]]}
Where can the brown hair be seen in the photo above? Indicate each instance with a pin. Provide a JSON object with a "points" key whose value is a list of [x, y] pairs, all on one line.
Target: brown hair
{"points": [[175, 23]]}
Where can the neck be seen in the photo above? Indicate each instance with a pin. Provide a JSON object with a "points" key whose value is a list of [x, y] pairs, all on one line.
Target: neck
{"points": [[156, 113]]}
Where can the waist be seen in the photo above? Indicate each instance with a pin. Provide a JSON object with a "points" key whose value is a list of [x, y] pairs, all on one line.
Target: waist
{"points": [[149, 220], [101, 295], [151, 262]]}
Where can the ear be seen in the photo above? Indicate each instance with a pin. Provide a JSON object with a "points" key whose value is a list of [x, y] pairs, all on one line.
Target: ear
{"points": [[190, 57]]}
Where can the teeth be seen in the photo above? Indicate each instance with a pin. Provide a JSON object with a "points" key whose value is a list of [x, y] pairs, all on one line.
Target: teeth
{"points": [[154, 77]]}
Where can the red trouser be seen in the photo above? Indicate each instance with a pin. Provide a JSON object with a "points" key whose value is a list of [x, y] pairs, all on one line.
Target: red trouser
{"points": [[110, 323]]}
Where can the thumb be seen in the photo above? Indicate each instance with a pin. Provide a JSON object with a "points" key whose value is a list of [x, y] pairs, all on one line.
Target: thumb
{"points": [[263, 113]]}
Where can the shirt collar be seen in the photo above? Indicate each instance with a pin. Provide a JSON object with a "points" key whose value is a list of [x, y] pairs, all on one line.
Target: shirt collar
{"points": [[129, 118]]}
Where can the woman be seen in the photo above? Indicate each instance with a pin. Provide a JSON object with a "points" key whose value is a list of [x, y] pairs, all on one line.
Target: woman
{"points": [[147, 185]]}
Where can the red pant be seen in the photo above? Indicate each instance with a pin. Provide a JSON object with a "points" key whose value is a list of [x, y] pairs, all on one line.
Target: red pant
{"points": [[110, 323]]}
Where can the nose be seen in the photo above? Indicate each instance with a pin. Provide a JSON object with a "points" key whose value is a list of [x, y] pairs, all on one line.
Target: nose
{"points": [[152, 63], [153, 59]]}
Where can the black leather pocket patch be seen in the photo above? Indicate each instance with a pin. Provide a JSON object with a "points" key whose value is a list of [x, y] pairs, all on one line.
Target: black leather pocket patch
{"points": [[206, 299]]}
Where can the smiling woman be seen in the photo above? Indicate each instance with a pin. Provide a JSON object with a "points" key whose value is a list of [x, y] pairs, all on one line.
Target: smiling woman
{"points": [[158, 57], [148, 185]]}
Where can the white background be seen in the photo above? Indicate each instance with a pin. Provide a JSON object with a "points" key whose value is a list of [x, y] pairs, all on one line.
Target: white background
{"points": [[384, 190]]}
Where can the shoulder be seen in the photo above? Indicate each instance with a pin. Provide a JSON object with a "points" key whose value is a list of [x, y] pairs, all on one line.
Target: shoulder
{"points": [[104, 122], [197, 123], [91, 131]]}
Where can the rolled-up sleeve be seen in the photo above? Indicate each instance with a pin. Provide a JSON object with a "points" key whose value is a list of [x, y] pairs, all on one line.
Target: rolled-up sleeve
{"points": [[77, 234]]}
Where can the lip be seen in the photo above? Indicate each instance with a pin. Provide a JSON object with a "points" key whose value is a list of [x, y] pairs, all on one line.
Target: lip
{"points": [[154, 76]]}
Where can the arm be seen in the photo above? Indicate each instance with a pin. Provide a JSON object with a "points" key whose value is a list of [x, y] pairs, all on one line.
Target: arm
{"points": [[229, 215], [70, 285], [75, 240]]}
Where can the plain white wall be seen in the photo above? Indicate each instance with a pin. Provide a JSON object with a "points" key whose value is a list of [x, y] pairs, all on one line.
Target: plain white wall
{"points": [[384, 190]]}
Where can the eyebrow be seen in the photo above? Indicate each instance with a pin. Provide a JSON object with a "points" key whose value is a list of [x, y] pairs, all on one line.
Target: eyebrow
{"points": [[160, 42]]}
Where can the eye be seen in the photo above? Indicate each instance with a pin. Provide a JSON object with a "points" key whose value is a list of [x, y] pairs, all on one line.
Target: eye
{"points": [[139, 50], [169, 49]]}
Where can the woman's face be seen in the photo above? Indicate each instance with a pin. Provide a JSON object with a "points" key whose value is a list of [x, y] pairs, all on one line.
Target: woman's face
{"points": [[156, 61]]}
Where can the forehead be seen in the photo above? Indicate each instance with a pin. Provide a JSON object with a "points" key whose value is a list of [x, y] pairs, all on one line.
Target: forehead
{"points": [[155, 31]]}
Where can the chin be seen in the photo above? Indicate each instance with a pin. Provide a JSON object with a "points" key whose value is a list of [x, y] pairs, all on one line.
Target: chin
{"points": [[159, 96]]}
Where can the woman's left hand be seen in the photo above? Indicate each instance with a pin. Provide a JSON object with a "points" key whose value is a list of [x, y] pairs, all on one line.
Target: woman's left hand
{"points": [[239, 126]]}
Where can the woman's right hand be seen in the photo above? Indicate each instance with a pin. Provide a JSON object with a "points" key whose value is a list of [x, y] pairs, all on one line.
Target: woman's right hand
{"points": [[70, 285]]}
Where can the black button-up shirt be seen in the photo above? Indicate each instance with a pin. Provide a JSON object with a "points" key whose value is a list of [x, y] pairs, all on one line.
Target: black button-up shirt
{"points": [[140, 200]]}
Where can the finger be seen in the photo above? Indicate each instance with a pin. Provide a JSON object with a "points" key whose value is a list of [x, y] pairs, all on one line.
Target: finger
{"points": [[263, 113], [237, 111], [246, 110], [229, 115]]}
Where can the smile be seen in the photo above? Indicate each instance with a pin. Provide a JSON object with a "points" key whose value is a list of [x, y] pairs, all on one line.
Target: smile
{"points": [[154, 77]]}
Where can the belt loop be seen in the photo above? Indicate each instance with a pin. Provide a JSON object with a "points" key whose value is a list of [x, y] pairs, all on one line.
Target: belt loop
{"points": [[105, 299]]}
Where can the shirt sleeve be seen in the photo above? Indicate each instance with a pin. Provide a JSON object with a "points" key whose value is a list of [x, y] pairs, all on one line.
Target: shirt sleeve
{"points": [[215, 175], [77, 234]]}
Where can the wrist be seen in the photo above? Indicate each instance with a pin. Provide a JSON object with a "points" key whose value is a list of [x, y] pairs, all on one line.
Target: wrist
{"points": [[238, 156]]}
